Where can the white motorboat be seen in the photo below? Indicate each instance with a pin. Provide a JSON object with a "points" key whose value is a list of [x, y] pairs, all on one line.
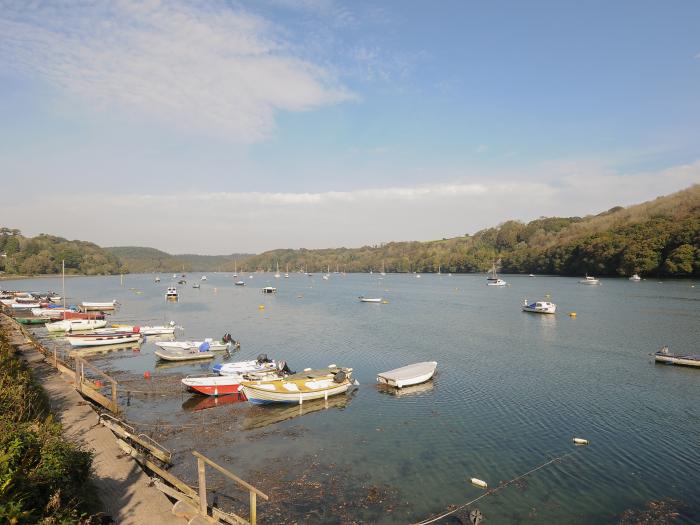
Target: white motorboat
{"points": [[102, 339], [635, 278], [261, 364], [208, 343], [74, 325], [539, 307], [370, 299], [408, 375], [183, 354], [269, 289], [664, 356], [148, 330], [239, 283], [204, 278], [171, 294], [589, 280], [85, 306]]}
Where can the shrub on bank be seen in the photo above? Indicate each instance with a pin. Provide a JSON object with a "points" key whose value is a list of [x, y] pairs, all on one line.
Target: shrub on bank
{"points": [[43, 477]]}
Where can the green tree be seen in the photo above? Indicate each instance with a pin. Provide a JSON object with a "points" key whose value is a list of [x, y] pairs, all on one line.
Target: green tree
{"points": [[681, 261]]}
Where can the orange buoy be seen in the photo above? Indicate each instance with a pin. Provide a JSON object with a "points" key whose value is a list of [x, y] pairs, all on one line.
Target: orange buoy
{"points": [[98, 383], [147, 375]]}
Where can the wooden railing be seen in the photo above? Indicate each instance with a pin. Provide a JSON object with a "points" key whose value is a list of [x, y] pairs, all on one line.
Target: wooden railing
{"points": [[202, 462], [89, 389]]}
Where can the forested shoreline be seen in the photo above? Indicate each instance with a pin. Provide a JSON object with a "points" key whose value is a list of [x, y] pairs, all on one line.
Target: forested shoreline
{"points": [[655, 238]]}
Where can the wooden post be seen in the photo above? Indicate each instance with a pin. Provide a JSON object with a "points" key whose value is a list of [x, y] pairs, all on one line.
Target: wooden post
{"points": [[77, 374], [201, 471], [114, 396], [253, 508]]}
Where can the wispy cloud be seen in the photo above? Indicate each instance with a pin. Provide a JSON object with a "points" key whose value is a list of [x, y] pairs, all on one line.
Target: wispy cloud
{"points": [[211, 67]]}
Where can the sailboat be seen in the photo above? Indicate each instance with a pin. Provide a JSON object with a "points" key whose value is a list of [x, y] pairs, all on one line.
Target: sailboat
{"points": [[286, 274], [336, 269], [493, 279], [383, 272], [277, 274], [235, 270], [328, 273]]}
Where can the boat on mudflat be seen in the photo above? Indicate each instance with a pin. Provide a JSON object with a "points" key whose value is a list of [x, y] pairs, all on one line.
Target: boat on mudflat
{"points": [[184, 354], [666, 357], [102, 339], [408, 375], [219, 385], [212, 346], [72, 325], [297, 388]]}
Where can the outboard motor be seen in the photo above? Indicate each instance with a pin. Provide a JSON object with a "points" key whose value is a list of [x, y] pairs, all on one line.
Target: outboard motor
{"points": [[262, 358], [226, 338], [339, 377], [283, 368]]}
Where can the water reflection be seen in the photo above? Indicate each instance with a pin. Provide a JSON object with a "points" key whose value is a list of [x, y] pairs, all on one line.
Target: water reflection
{"points": [[197, 402], [414, 390], [262, 416]]}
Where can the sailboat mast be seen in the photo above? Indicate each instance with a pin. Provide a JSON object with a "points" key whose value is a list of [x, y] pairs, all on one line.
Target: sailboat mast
{"points": [[63, 281]]}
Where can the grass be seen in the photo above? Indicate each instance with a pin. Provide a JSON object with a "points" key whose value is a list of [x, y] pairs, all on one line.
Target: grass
{"points": [[43, 477]]}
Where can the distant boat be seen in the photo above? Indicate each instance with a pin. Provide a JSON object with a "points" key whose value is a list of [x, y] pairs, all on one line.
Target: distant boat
{"points": [[239, 283], [85, 306], [269, 289], [204, 278], [589, 280], [71, 325], [157, 279], [196, 285], [383, 271], [171, 294], [531, 275], [235, 271], [370, 299], [277, 274], [493, 279], [539, 307], [635, 278], [664, 356], [174, 276], [408, 375]]}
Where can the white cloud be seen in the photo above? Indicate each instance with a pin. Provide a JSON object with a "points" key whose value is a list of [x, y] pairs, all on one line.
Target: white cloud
{"points": [[212, 67], [225, 222]]}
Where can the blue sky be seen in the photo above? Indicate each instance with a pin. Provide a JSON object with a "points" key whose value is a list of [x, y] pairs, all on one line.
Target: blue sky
{"points": [[218, 126]]}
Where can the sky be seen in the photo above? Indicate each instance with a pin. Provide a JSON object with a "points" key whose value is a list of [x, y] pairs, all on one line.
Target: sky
{"points": [[219, 126]]}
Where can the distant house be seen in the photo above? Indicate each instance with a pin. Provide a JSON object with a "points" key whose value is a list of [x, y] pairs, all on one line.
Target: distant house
{"points": [[3, 255]]}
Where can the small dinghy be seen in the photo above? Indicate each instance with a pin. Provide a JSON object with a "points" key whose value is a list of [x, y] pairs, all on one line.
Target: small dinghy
{"points": [[370, 299], [664, 356], [261, 364], [297, 388], [73, 325], [85, 306], [226, 343], [148, 330], [103, 338], [408, 375], [184, 354]]}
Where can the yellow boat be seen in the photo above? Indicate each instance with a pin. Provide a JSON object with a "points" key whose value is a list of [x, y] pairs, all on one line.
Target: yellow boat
{"points": [[297, 388]]}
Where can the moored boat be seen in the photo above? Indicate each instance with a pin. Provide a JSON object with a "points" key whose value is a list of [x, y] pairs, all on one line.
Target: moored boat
{"points": [[33, 320], [408, 375], [664, 356], [493, 279], [589, 280], [171, 294], [539, 307], [214, 346], [218, 385], [364, 299], [102, 306], [297, 388], [72, 325], [635, 278], [102, 339], [148, 330], [184, 354]]}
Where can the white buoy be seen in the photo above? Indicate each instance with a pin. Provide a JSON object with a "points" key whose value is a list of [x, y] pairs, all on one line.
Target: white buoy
{"points": [[478, 482], [580, 441]]}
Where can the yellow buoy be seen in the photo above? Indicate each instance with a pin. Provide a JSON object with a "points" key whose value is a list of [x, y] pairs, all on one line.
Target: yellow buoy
{"points": [[385, 301], [580, 441], [572, 314], [261, 307], [478, 482]]}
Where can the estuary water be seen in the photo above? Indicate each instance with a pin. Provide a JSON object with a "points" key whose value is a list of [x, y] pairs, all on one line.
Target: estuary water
{"points": [[512, 391]]}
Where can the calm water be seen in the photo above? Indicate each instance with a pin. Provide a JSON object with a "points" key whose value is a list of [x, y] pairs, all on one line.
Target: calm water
{"points": [[512, 390]]}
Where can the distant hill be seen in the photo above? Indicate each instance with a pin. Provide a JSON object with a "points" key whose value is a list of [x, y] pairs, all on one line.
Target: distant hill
{"points": [[659, 237], [44, 254], [137, 259]]}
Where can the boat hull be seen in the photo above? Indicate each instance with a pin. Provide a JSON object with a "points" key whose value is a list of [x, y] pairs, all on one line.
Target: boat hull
{"points": [[679, 360], [102, 340], [259, 396], [213, 386], [183, 355], [408, 375]]}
